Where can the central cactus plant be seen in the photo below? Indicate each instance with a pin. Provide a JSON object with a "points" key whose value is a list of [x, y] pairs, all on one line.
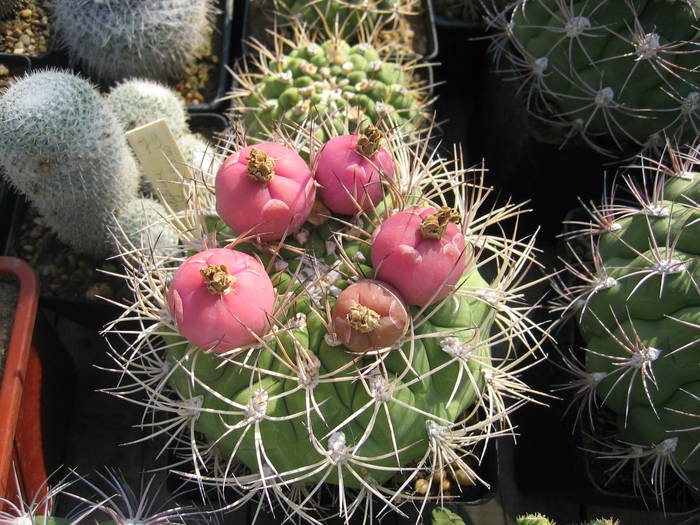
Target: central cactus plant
{"points": [[637, 303], [614, 72], [366, 352]]}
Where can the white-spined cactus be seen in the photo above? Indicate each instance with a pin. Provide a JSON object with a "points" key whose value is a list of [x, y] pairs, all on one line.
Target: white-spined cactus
{"points": [[635, 295], [273, 404], [137, 102], [143, 222], [118, 39], [64, 149]]}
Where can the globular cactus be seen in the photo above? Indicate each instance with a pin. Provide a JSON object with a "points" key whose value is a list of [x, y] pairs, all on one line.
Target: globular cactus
{"points": [[143, 223], [636, 299], [199, 154], [327, 80], [289, 408], [539, 519], [118, 39], [137, 102], [619, 74], [66, 152]]}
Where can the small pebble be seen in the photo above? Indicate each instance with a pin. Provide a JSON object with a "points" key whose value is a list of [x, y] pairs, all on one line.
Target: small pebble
{"points": [[4, 70], [25, 13]]}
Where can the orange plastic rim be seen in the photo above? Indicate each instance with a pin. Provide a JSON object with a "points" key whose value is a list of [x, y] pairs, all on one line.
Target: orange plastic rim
{"points": [[14, 376]]}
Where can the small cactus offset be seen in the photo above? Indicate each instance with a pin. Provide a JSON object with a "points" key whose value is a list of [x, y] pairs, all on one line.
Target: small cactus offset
{"points": [[331, 79], [619, 74], [137, 102], [636, 299], [143, 222], [539, 519], [118, 39], [65, 150], [292, 353]]}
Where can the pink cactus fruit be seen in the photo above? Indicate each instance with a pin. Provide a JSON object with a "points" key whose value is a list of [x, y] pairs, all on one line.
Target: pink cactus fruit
{"points": [[266, 189], [349, 170], [221, 299], [369, 315], [421, 252]]}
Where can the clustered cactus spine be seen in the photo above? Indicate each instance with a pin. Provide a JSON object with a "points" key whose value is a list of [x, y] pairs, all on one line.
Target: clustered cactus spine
{"points": [[118, 39], [539, 519], [66, 152], [636, 303], [296, 409], [616, 73]]}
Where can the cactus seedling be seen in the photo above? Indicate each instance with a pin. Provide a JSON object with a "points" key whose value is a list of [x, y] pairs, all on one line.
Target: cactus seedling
{"points": [[350, 170], [615, 73], [265, 190], [637, 306]]}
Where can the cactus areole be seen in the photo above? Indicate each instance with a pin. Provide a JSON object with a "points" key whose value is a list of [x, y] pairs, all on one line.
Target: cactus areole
{"points": [[221, 299], [350, 170], [421, 252], [266, 190]]}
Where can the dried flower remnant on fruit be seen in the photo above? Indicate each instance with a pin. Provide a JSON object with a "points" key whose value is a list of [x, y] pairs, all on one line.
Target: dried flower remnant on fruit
{"points": [[217, 279], [370, 141], [435, 225], [363, 319], [260, 165]]}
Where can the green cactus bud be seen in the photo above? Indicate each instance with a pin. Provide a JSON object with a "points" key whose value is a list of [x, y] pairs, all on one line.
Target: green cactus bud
{"points": [[66, 152], [138, 102], [617, 73]]}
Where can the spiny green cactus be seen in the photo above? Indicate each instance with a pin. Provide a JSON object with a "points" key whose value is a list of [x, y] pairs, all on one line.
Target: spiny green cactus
{"points": [[118, 39], [327, 80], [66, 152], [637, 303], [539, 519], [143, 223], [138, 102], [296, 409], [617, 73]]}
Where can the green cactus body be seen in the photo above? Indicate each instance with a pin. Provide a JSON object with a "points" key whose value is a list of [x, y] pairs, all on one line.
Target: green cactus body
{"points": [[430, 394], [64, 150], [640, 317], [539, 519], [617, 72], [332, 81]]}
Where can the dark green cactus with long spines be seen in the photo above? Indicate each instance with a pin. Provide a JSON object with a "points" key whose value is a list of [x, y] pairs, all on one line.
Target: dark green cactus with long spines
{"points": [[296, 409], [331, 80], [617, 73], [637, 304]]}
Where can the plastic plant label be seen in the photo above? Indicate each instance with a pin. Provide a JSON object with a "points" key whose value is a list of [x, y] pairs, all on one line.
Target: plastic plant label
{"points": [[162, 161]]}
